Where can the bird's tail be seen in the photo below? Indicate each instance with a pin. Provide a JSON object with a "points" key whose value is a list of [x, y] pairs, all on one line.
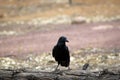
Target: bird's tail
{"points": [[64, 63]]}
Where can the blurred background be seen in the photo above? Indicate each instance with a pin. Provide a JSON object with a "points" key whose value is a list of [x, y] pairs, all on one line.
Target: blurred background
{"points": [[30, 28]]}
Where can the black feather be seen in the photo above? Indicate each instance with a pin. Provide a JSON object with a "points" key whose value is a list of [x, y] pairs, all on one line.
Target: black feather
{"points": [[61, 53]]}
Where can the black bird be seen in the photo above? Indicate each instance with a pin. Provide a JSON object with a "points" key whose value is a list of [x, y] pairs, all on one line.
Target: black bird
{"points": [[61, 53]]}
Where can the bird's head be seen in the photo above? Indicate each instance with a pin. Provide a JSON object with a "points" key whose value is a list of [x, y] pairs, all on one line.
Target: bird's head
{"points": [[62, 39]]}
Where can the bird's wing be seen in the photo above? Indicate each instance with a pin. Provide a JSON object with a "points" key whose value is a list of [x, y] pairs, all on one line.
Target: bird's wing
{"points": [[53, 51], [67, 53]]}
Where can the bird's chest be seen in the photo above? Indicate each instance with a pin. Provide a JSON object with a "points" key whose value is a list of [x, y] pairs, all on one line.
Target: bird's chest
{"points": [[61, 51]]}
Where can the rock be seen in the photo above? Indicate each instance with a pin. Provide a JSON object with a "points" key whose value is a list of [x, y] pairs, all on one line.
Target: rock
{"points": [[60, 75]]}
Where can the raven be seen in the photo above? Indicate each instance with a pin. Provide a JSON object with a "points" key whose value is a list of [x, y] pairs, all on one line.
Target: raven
{"points": [[61, 53]]}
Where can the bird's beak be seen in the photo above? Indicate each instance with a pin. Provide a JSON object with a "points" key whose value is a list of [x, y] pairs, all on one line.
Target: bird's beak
{"points": [[67, 40]]}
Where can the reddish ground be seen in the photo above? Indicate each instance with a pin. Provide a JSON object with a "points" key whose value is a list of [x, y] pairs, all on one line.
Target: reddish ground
{"points": [[101, 35]]}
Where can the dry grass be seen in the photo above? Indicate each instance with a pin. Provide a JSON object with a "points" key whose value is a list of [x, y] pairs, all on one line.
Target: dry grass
{"points": [[87, 8]]}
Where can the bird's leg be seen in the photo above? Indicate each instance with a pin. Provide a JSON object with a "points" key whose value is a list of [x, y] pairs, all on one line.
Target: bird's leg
{"points": [[57, 67]]}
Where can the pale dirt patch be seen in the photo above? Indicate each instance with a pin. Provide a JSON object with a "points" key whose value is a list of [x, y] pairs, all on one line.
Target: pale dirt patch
{"points": [[103, 27]]}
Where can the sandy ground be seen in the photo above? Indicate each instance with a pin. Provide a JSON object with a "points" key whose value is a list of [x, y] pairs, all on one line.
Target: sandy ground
{"points": [[13, 10]]}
